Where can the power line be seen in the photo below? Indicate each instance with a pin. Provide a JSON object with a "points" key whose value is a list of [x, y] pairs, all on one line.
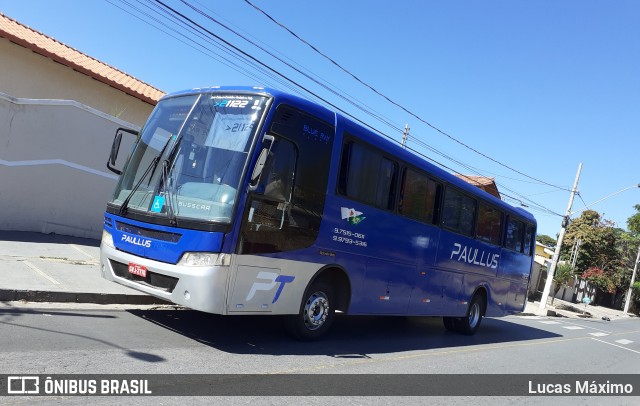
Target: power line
{"points": [[583, 202], [247, 58], [259, 64], [334, 92], [474, 170], [375, 114], [190, 42], [415, 115], [518, 180]]}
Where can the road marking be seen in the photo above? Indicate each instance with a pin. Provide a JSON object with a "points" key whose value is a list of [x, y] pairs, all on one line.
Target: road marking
{"points": [[624, 341], [80, 250], [440, 353], [41, 272], [599, 334], [396, 358], [587, 327], [573, 327], [530, 317], [615, 345]]}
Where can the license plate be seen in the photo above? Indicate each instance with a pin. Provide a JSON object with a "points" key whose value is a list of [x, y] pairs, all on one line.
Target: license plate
{"points": [[136, 269]]}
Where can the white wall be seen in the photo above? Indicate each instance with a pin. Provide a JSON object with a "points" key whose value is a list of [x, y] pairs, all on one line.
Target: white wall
{"points": [[53, 176], [26, 74]]}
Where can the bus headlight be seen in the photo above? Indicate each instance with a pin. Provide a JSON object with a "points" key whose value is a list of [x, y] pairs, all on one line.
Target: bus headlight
{"points": [[107, 239], [204, 259]]}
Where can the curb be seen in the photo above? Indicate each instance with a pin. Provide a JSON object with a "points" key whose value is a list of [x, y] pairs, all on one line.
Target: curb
{"points": [[9, 295]]}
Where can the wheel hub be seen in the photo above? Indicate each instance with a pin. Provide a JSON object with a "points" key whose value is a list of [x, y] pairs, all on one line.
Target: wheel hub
{"points": [[316, 311], [474, 315]]}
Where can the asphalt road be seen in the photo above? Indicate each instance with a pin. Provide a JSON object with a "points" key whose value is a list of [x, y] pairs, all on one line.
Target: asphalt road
{"points": [[84, 339]]}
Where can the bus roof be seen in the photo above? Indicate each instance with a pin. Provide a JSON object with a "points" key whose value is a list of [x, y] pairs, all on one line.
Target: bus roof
{"points": [[376, 139]]}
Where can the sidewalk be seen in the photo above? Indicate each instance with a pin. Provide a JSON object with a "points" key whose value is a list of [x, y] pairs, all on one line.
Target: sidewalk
{"points": [[561, 308], [38, 267]]}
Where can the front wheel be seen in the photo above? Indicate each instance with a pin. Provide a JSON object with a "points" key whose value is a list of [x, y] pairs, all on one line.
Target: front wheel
{"points": [[316, 314]]}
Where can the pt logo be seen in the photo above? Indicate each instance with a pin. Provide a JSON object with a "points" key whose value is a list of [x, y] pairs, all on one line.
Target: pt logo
{"points": [[273, 280]]}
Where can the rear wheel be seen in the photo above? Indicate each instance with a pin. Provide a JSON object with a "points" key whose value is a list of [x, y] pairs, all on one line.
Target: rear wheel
{"points": [[449, 323], [471, 322], [316, 315]]}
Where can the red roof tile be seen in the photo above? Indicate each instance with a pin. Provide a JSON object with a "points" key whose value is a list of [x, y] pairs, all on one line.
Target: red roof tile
{"points": [[59, 52], [484, 183]]}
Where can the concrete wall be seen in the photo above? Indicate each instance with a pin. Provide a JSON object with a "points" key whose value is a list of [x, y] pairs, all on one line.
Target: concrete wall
{"points": [[26, 74], [53, 177]]}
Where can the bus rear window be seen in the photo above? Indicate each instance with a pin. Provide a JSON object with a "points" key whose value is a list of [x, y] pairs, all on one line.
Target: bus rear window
{"points": [[515, 235], [529, 239]]}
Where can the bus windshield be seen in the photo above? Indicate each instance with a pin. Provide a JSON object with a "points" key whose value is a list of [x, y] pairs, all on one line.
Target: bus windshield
{"points": [[190, 156]]}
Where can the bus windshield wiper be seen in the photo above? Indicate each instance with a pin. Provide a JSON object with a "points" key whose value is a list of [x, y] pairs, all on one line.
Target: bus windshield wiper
{"points": [[125, 203], [166, 144], [151, 168], [167, 185]]}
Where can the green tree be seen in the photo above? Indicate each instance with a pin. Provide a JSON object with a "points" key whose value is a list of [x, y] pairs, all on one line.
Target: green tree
{"points": [[597, 277], [563, 275], [628, 244], [633, 222], [546, 240], [600, 259], [636, 296], [632, 244], [598, 242]]}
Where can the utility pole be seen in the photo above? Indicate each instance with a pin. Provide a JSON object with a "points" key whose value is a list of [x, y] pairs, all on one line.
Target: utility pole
{"points": [[574, 253], [633, 279], [405, 135], [556, 256]]}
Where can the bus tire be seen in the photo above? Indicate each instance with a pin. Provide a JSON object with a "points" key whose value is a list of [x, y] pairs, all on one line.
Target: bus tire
{"points": [[449, 323], [470, 324], [316, 313]]}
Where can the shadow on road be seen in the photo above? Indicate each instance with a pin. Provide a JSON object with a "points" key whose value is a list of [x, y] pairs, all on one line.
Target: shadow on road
{"points": [[10, 317], [33, 237], [349, 337], [21, 312]]}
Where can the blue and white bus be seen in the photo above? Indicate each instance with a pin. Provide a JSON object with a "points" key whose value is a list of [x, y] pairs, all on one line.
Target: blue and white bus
{"points": [[240, 201]]}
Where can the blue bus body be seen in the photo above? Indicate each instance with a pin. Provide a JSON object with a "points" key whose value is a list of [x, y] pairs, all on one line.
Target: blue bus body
{"points": [[355, 229]]}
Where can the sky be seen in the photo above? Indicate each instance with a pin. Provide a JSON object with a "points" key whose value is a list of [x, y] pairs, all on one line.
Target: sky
{"points": [[520, 91]]}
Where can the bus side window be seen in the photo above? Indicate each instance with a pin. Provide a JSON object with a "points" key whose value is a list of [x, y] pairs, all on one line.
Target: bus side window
{"points": [[280, 170], [273, 197], [285, 209], [367, 176], [515, 235], [418, 197], [458, 212], [489, 224]]}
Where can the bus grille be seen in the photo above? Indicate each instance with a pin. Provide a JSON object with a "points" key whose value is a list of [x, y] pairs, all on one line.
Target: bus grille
{"points": [[153, 279], [148, 233]]}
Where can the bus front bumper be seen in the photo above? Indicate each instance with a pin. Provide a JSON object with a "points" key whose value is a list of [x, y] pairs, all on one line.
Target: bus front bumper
{"points": [[197, 287]]}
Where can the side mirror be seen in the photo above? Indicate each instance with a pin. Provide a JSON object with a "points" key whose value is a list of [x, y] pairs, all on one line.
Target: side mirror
{"points": [[261, 162], [115, 149]]}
